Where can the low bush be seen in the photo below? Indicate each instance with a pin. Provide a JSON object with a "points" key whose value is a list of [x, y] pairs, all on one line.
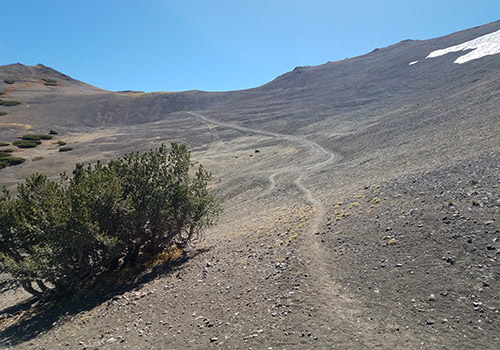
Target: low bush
{"points": [[50, 82], [6, 159], [3, 113], [53, 132], [15, 160], [26, 143], [2, 144], [37, 137], [103, 218], [5, 153], [65, 149], [61, 143], [9, 81], [9, 103]]}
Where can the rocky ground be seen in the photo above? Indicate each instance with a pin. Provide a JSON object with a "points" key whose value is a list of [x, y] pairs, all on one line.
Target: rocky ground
{"points": [[422, 253], [408, 262]]}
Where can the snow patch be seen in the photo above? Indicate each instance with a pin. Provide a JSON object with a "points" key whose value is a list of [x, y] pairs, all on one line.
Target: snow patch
{"points": [[412, 63], [485, 45]]}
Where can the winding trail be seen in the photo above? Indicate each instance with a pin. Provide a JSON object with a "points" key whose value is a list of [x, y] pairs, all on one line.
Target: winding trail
{"points": [[337, 310], [321, 157]]}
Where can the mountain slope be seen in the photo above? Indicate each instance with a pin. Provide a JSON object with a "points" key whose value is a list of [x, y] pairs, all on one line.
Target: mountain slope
{"points": [[367, 218]]}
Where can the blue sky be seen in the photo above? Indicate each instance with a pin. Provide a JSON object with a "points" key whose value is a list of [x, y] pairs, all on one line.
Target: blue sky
{"points": [[215, 45]]}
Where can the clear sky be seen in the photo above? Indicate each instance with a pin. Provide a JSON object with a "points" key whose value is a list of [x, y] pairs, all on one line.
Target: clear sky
{"points": [[173, 45]]}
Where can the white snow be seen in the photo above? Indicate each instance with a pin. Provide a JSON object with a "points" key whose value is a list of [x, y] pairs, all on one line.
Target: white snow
{"points": [[412, 63], [485, 45]]}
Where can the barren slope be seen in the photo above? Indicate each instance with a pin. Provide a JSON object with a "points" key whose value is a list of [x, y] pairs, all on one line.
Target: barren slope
{"points": [[368, 218]]}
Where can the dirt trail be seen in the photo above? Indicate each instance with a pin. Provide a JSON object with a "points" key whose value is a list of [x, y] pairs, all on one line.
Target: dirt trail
{"points": [[335, 311]]}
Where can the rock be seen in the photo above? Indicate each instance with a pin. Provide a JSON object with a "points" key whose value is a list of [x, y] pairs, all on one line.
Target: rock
{"points": [[430, 322], [213, 339]]}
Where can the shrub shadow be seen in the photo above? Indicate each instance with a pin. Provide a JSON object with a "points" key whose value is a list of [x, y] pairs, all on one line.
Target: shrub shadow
{"points": [[31, 318]]}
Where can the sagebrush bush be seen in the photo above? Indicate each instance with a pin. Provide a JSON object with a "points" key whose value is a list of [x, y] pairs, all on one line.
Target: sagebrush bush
{"points": [[9, 81], [9, 103], [6, 152], [3, 113], [2, 144], [102, 218], [35, 137], [50, 82], [26, 143], [15, 160], [65, 149]]}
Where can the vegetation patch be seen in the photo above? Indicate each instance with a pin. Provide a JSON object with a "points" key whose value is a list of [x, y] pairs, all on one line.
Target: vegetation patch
{"points": [[9, 103], [61, 143], [65, 149], [53, 132], [50, 82], [9, 81], [15, 160], [26, 143], [3, 144], [64, 236], [7, 160], [5, 153], [3, 113], [37, 137]]}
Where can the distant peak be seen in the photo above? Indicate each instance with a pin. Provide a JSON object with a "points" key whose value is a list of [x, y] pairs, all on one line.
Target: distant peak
{"points": [[485, 45]]}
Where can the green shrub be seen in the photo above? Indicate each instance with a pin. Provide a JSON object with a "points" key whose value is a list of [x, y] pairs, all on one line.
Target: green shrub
{"points": [[2, 144], [3, 113], [61, 143], [65, 149], [37, 137], [9, 103], [4, 154], [50, 82], [103, 218], [53, 132], [9, 81], [2, 93], [6, 159], [15, 160], [26, 143]]}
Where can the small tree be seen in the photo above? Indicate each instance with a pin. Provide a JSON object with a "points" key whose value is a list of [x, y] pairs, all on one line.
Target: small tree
{"points": [[59, 233]]}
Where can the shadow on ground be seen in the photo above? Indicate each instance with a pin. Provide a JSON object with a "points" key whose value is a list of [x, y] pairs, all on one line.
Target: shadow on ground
{"points": [[35, 318]]}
